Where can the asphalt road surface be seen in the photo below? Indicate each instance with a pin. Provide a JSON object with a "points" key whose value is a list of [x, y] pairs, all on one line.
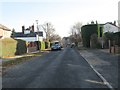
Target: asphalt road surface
{"points": [[56, 69]]}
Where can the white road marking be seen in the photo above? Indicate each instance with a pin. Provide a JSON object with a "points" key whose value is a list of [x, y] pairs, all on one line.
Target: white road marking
{"points": [[103, 79]]}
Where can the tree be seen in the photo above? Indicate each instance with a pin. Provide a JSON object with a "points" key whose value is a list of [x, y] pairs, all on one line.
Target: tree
{"points": [[108, 36], [13, 33], [76, 32], [48, 29], [55, 37]]}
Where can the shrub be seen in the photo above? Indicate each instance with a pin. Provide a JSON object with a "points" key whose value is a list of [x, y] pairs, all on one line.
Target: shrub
{"points": [[46, 45], [21, 47], [10, 47], [7, 47], [42, 44]]}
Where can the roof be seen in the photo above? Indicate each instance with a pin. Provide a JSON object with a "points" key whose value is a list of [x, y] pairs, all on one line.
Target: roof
{"points": [[4, 27], [32, 34], [111, 24]]}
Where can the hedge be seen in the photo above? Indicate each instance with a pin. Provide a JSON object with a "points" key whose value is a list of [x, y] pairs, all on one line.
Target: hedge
{"points": [[21, 47], [47, 45], [42, 45], [10, 47], [87, 31]]}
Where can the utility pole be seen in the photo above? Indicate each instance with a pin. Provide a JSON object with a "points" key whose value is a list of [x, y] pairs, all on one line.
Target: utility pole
{"points": [[47, 36], [37, 36], [37, 30]]}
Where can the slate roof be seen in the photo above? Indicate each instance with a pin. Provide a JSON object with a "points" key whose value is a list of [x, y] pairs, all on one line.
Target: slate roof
{"points": [[111, 24], [32, 34]]}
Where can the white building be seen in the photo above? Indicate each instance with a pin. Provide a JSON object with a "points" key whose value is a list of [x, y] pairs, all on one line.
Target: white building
{"points": [[109, 27], [29, 37], [4, 32]]}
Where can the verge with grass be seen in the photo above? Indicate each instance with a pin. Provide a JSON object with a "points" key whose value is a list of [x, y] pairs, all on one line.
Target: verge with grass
{"points": [[19, 60]]}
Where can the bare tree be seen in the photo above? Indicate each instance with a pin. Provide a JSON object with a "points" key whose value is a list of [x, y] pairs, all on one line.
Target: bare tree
{"points": [[77, 27], [55, 37], [48, 29], [76, 32]]}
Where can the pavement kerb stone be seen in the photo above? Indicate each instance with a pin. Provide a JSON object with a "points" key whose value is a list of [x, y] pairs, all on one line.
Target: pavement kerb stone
{"points": [[99, 75]]}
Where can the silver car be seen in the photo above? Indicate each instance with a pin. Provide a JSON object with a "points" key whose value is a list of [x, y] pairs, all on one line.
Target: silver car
{"points": [[55, 47]]}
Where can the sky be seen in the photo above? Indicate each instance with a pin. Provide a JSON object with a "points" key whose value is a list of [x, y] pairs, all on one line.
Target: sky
{"points": [[61, 13]]}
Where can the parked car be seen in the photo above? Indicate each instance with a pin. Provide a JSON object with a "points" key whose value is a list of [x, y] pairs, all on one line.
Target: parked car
{"points": [[56, 46], [72, 45]]}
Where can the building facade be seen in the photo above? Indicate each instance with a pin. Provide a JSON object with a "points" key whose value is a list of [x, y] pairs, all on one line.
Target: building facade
{"points": [[4, 32], [31, 37]]}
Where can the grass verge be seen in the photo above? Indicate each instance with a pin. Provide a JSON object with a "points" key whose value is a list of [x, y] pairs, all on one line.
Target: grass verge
{"points": [[19, 60]]}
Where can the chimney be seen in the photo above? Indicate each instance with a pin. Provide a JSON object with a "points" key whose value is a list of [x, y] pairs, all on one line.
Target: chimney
{"points": [[33, 27], [115, 23], [23, 28]]}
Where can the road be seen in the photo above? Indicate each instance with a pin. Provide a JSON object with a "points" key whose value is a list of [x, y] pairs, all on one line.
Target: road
{"points": [[56, 69], [105, 63]]}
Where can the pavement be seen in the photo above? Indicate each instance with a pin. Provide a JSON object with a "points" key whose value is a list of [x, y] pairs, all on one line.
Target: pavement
{"points": [[105, 63]]}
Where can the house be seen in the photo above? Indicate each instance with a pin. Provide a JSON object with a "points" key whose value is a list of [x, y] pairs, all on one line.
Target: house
{"points": [[110, 27], [31, 37], [65, 41], [89, 31], [4, 32], [29, 34]]}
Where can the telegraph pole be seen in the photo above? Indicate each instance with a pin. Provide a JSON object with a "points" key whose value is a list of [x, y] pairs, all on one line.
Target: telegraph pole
{"points": [[37, 30], [37, 35]]}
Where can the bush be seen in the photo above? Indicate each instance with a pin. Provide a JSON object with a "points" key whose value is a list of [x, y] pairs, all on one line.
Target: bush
{"points": [[98, 45], [113, 37], [49, 44], [42, 44], [46, 45], [21, 47], [8, 47]]}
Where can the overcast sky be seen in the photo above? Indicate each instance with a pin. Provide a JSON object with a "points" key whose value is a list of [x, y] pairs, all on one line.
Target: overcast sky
{"points": [[61, 13]]}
